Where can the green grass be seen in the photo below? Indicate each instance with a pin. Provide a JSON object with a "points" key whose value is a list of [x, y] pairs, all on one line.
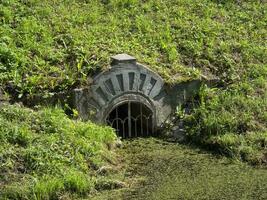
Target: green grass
{"points": [[52, 46], [233, 121], [49, 46], [162, 170], [46, 155]]}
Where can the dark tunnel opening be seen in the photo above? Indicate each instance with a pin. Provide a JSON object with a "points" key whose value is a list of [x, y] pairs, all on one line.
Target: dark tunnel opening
{"points": [[131, 119]]}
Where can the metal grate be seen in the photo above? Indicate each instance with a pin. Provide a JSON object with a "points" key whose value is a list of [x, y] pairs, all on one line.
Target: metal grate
{"points": [[131, 119]]}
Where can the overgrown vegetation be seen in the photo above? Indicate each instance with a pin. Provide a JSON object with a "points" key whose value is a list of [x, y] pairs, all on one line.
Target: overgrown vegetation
{"points": [[48, 46], [51, 46], [233, 121], [46, 155]]}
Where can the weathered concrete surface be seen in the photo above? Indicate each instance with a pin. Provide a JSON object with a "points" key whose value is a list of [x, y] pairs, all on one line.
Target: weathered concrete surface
{"points": [[127, 80]]}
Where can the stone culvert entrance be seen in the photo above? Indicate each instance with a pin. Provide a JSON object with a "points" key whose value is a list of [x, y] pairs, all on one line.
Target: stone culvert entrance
{"points": [[131, 98]]}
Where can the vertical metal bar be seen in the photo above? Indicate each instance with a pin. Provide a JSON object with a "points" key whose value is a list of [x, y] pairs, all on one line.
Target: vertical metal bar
{"points": [[123, 129], [117, 121], [129, 120], [141, 118], [135, 121], [147, 129], [152, 124]]}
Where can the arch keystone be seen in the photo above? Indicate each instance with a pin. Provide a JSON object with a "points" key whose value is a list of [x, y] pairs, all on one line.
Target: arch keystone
{"points": [[122, 59]]}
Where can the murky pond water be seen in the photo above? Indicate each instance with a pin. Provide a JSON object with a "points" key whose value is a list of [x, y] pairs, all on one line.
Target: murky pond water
{"points": [[161, 170]]}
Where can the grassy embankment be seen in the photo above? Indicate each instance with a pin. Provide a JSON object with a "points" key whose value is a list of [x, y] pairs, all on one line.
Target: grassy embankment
{"points": [[45, 155], [50, 46]]}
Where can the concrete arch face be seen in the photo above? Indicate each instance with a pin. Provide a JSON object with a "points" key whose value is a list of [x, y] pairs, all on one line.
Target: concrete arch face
{"points": [[125, 81]]}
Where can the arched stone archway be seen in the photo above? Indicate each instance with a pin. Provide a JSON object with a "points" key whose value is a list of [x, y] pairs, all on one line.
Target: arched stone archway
{"points": [[128, 81]]}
